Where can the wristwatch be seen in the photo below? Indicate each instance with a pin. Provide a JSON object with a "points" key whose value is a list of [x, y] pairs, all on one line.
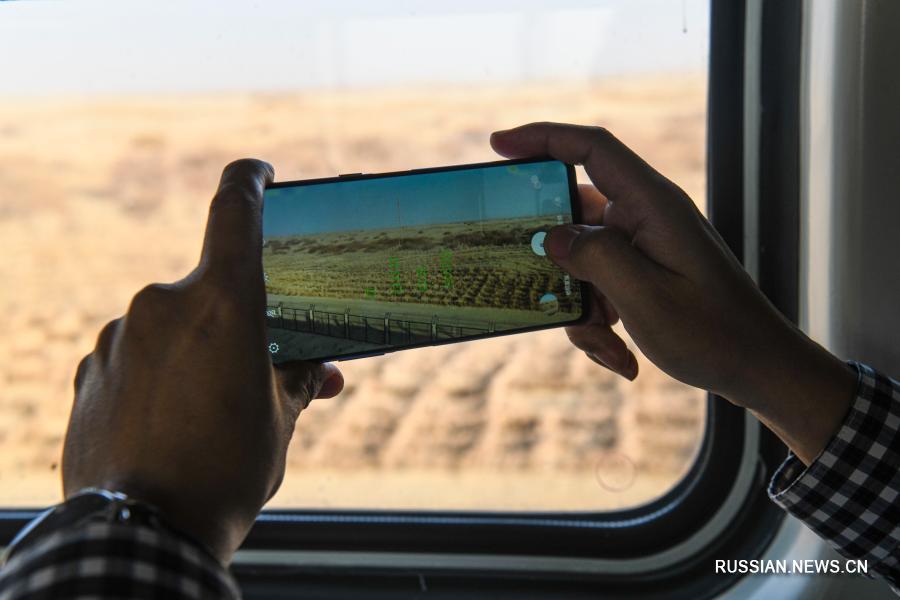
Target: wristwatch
{"points": [[87, 505]]}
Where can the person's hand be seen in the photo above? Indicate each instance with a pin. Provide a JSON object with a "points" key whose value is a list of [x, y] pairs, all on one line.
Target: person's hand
{"points": [[685, 300], [179, 405]]}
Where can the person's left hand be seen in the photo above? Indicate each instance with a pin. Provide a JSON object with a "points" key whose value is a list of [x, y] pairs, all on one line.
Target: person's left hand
{"points": [[179, 404]]}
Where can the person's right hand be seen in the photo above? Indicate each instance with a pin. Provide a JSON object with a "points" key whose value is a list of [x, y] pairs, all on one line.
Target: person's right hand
{"points": [[656, 262], [179, 404]]}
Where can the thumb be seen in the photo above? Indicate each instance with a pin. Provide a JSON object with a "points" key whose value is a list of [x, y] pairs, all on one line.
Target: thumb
{"points": [[303, 381], [604, 257]]}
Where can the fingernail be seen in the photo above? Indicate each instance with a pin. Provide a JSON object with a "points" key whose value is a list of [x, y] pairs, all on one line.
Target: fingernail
{"points": [[631, 370], [558, 242], [333, 383], [499, 132]]}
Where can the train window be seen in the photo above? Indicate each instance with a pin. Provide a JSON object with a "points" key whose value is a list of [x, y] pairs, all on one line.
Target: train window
{"points": [[116, 121], [511, 464]]}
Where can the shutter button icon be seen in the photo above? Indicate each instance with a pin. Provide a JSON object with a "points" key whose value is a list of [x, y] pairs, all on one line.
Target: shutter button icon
{"points": [[537, 243]]}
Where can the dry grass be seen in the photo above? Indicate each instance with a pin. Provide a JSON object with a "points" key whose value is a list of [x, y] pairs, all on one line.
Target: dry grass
{"points": [[99, 196]]}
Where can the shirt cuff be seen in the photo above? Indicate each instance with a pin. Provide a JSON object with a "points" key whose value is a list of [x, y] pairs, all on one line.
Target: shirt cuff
{"points": [[112, 559], [849, 494]]}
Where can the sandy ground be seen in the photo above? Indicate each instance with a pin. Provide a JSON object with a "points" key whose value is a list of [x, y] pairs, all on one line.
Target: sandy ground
{"points": [[99, 196]]}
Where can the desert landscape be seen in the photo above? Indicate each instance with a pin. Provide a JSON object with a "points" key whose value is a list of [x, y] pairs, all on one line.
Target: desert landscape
{"points": [[101, 195]]}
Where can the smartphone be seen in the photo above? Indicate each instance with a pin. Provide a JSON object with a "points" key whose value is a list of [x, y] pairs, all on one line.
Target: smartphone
{"points": [[360, 265]]}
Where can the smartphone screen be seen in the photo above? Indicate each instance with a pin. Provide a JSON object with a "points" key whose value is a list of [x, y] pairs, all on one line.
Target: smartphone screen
{"points": [[366, 264]]}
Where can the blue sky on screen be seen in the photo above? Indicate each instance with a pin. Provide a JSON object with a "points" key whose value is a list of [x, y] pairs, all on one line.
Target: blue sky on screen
{"points": [[444, 197], [109, 46]]}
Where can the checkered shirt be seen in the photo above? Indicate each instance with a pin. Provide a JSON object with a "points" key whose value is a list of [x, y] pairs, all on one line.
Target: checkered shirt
{"points": [[114, 560], [849, 494]]}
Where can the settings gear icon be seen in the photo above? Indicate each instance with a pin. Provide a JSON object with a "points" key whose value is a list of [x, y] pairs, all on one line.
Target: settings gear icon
{"points": [[274, 348]]}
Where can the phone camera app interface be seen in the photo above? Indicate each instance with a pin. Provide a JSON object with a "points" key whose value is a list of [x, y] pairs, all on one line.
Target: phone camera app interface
{"points": [[359, 266]]}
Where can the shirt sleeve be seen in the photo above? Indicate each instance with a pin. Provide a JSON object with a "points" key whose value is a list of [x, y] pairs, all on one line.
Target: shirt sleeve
{"points": [[114, 560], [849, 494]]}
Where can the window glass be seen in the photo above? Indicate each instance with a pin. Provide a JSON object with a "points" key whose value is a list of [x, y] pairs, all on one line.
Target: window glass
{"points": [[117, 118]]}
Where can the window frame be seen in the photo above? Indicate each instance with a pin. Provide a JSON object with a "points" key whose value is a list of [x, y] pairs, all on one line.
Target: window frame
{"points": [[719, 510]]}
